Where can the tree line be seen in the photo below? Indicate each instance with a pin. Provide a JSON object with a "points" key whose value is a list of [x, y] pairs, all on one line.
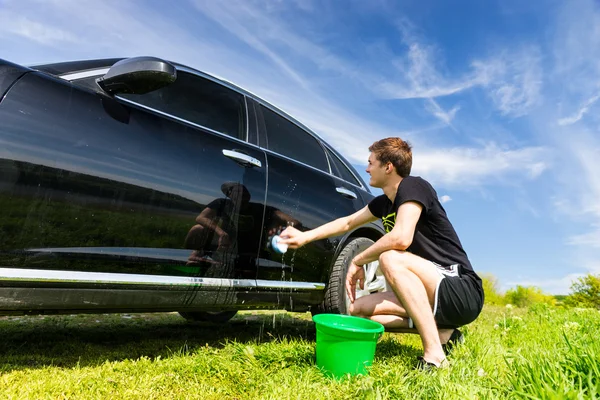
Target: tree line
{"points": [[584, 292]]}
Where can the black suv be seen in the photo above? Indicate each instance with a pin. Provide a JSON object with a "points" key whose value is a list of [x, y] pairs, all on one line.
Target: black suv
{"points": [[137, 185]]}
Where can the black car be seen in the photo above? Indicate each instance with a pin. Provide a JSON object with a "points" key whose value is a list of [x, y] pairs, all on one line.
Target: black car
{"points": [[139, 185]]}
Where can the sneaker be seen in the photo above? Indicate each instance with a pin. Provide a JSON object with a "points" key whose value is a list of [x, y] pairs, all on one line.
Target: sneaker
{"points": [[424, 365], [456, 338]]}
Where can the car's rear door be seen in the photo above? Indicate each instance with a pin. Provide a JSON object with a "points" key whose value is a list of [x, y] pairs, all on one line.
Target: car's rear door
{"points": [[148, 191]]}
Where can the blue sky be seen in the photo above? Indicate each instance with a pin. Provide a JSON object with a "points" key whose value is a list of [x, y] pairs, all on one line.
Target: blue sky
{"points": [[499, 99]]}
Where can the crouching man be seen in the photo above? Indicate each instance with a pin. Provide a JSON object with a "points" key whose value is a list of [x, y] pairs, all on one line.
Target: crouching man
{"points": [[434, 287]]}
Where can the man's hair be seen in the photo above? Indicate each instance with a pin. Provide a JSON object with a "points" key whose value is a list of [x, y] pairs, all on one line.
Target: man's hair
{"points": [[396, 151]]}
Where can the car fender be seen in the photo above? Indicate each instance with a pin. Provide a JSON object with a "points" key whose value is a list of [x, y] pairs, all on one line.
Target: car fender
{"points": [[372, 230]]}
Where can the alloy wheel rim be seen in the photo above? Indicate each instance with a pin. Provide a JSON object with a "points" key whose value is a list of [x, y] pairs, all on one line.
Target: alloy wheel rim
{"points": [[374, 282]]}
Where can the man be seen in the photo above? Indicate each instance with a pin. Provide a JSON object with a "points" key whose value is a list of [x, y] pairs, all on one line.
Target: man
{"points": [[434, 287]]}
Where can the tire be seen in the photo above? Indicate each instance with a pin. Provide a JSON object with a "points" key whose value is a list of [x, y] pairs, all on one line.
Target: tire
{"points": [[218, 317], [336, 300]]}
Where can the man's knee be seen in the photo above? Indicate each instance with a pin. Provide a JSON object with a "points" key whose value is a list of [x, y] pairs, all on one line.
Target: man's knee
{"points": [[352, 309], [356, 310], [195, 238], [392, 260]]}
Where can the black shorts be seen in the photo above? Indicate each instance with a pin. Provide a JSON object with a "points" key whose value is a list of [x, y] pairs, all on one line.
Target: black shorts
{"points": [[458, 298]]}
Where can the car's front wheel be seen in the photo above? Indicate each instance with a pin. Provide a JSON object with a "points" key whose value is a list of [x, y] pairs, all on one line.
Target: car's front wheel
{"points": [[208, 316], [336, 300]]}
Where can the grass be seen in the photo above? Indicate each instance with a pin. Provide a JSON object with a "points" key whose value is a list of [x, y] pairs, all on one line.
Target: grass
{"points": [[540, 352]]}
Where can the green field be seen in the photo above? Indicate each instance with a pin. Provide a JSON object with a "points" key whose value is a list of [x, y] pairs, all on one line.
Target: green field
{"points": [[541, 352]]}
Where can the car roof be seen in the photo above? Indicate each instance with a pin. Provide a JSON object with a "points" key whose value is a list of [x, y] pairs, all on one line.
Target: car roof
{"points": [[75, 66]]}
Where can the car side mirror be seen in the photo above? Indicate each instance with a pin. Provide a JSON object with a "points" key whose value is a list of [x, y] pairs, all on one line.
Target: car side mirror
{"points": [[137, 75]]}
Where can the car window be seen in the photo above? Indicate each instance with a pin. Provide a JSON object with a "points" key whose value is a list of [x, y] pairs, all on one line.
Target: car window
{"points": [[288, 139], [340, 169], [198, 100], [88, 83]]}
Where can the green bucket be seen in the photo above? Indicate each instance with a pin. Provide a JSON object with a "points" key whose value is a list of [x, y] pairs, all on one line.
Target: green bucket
{"points": [[345, 344]]}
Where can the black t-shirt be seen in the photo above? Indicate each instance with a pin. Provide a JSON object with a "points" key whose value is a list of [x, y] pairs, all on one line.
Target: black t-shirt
{"points": [[435, 238]]}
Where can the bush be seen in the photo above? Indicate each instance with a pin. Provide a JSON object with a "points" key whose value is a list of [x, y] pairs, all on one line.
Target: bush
{"points": [[525, 296], [585, 292], [491, 291]]}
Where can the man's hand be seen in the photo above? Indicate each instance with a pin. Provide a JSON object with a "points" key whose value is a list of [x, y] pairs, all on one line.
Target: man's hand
{"points": [[355, 273], [224, 241], [293, 237]]}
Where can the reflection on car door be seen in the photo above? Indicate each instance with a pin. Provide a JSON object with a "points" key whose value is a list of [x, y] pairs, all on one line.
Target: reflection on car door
{"points": [[111, 187]]}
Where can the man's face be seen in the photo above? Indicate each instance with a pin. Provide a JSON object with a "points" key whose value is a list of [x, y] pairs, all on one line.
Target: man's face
{"points": [[377, 172]]}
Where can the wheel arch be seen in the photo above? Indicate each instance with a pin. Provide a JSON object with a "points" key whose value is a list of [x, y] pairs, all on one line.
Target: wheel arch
{"points": [[372, 231]]}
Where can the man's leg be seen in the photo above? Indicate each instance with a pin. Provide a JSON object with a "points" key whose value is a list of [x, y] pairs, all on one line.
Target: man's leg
{"points": [[414, 280], [385, 308]]}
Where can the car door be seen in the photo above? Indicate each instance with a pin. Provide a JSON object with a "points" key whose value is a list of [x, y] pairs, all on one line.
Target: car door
{"points": [[160, 187], [303, 193]]}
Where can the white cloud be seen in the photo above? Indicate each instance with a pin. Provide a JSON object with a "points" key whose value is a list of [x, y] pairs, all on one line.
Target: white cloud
{"points": [[589, 239], [559, 285], [259, 24], [236, 18], [525, 205], [580, 113], [105, 29], [582, 194], [445, 198], [35, 31], [469, 167], [534, 170], [423, 80], [580, 191], [576, 47], [401, 92], [549, 286], [513, 80], [445, 116], [304, 5]]}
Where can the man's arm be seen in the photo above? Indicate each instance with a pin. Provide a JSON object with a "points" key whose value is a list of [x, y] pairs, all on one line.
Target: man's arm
{"points": [[207, 218], [399, 238], [295, 238]]}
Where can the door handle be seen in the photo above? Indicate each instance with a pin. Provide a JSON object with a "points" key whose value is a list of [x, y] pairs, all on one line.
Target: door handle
{"points": [[345, 192], [242, 158]]}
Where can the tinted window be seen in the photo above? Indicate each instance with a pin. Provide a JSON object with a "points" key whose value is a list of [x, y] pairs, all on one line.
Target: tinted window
{"points": [[200, 101], [288, 139], [340, 170]]}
